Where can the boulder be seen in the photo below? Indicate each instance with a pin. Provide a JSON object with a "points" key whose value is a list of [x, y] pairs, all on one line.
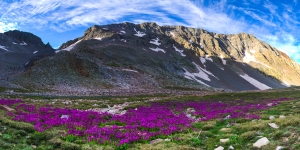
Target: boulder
{"points": [[219, 148], [279, 147], [6, 108], [64, 117], [227, 117], [224, 140], [273, 125], [225, 130], [281, 116], [167, 140], [156, 141], [261, 142]]}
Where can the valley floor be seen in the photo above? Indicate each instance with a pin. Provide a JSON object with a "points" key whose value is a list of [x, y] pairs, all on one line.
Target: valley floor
{"points": [[207, 121]]}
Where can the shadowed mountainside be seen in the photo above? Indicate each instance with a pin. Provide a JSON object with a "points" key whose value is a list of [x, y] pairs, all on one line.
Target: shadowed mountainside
{"points": [[18, 51], [149, 56]]}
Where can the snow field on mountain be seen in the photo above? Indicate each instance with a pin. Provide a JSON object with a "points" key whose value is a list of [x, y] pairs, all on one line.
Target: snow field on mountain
{"points": [[180, 51], [157, 49], [71, 46], [4, 48], [139, 33], [254, 82], [248, 58], [155, 42]]}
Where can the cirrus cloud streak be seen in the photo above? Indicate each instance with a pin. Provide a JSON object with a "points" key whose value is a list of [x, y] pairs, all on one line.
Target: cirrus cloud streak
{"points": [[271, 21]]}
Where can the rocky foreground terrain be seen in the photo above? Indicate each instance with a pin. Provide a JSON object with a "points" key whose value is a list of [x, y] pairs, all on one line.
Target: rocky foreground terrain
{"points": [[141, 57]]}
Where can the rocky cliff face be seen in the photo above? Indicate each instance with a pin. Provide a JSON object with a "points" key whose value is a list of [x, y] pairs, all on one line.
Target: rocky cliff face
{"points": [[149, 56], [18, 51]]}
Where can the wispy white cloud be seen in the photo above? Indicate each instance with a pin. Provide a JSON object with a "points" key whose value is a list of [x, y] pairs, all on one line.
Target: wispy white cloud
{"points": [[270, 6], [4, 26], [256, 1], [68, 14], [269, 22], [260, 18]]}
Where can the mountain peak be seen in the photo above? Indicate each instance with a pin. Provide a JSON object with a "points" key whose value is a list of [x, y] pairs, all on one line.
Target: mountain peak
{"points": [[149, 56]]}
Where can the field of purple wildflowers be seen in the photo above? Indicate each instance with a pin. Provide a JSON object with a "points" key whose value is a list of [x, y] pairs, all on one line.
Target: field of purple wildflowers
{"points": [[142, 124]]}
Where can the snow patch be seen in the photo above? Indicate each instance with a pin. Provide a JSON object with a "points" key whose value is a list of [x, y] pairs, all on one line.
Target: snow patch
{"points": [[123, 32], [4, 48], [158, 49], [130, 70], [23, 43], [192, 76], [248, 58], [190, 40], [207, 72], [286, 84], [71, 46], [173, 35], [224, 61], [155, 41], [201, 46], [202, 74], [98, 38], [207, 58], [139, 33], [27, 63], [186, 75], [254, 82], [35, 52], [252, 51], [123, 40], [180, 51], [203, 61]]}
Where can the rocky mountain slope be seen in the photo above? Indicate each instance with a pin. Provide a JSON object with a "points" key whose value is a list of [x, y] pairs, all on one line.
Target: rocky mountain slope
{"points": [[149, 56], [18, 51]]}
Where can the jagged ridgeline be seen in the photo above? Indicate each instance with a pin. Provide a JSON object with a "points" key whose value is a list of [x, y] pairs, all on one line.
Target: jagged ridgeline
{"points": [[18, 51], [149, 56]]}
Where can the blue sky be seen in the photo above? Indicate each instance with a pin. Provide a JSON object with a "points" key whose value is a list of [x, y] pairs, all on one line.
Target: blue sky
{"points": [[276, 22]]}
